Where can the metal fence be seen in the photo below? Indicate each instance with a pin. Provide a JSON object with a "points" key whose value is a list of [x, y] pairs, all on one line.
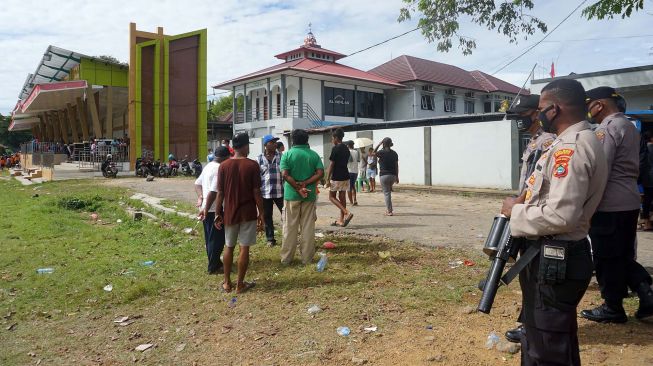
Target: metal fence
{"points": [[86, 156]]}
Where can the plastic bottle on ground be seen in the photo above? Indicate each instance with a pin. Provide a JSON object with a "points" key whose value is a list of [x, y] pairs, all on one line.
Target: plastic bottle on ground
{"points": [[44, 270], [322, 263], [343, 331], [492, 340], [148, 263]]}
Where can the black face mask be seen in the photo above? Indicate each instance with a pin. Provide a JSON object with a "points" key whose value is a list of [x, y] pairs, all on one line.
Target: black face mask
{"points": [[524, 123], [547, 124]]}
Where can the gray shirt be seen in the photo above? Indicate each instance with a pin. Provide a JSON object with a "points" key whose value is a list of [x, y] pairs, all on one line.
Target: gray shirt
{"points": [[564, 190], [620, 140]]}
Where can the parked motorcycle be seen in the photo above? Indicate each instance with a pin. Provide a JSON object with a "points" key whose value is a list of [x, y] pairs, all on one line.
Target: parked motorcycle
{"points": [[173, 168], [197, 168], [185, 168]]}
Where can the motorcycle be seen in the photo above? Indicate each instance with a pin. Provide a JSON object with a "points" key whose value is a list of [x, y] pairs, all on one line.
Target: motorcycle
{"points": [[164, 171], [185, 168], [173, 168], [197, 168], [109, 169], [138, 170]]}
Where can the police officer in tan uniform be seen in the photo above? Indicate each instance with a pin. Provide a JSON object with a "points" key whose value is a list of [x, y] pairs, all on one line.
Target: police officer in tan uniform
{"points": [[553, 214], [614, 225], [524, 112]]}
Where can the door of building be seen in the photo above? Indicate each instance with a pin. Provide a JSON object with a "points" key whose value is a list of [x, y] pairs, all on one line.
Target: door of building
{"points": [[258, 115]]}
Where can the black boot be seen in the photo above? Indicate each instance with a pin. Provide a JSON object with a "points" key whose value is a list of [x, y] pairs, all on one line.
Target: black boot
{"points": [[605, 314], [645, 294], [514, 335]]}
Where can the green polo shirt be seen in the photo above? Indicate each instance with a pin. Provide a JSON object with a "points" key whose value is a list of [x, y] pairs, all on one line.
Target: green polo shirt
{"points": [[301, 163]]}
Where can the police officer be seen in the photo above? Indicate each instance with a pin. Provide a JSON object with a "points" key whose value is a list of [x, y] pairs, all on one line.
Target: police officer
{"points": [[524, 112], [614, 226], [553, 214]]}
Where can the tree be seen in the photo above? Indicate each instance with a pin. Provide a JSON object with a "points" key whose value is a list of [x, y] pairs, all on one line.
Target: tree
{"points": [[222, 106], [439, 19], [112, 59], [12, 139]]}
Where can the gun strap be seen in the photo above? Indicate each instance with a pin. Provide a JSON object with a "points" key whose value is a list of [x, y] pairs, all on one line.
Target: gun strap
{"points": [[521, 263]]}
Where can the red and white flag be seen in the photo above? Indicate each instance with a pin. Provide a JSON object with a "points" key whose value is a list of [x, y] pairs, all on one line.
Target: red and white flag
{"points": [[553, 71]]}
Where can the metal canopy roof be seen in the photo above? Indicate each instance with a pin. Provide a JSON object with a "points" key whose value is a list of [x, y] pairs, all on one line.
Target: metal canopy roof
{"points": [[54, 66]]}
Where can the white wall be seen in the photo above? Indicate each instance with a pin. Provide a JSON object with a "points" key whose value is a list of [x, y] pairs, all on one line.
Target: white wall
{"points": [[409, 145], [472, 155], [617, 80], [256, 148], [313, 94]]}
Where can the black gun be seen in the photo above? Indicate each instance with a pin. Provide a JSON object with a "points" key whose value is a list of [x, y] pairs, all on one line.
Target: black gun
{"points": [[503, 248]]}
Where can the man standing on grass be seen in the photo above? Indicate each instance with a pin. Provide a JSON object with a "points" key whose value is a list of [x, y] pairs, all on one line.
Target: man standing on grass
{"points": [[205, 183], [272, 184], [239, 193], [301, 168], [338, 177]]}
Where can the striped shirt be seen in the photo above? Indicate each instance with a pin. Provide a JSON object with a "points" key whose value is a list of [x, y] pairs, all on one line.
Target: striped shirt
{"points": [[271, 180]]}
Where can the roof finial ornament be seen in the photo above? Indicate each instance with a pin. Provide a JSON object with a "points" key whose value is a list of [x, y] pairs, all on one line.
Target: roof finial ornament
{"points": [[310, 40]]}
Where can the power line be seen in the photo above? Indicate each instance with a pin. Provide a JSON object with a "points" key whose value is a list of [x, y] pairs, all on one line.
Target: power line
{"points": [[541, 40], [600, 39]]}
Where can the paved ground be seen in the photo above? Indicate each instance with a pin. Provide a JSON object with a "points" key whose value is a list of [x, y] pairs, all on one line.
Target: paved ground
{"points": [[433, 219]]}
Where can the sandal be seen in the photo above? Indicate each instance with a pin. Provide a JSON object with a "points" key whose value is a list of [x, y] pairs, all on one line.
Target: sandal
{"points": [[348, 219], [225, 290], [389, 214], [246, 287], [336, 223]]}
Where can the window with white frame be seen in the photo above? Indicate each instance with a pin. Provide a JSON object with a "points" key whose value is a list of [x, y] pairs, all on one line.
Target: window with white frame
{"points": [[469, 106], [449, 104], [428, 102]]}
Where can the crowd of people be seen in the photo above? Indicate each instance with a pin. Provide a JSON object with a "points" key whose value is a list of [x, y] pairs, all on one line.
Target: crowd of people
{"points": [[578, 208], [9, 161], [237, 196]]}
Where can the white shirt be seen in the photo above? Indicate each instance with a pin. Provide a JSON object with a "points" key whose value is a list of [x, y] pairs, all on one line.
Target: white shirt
{"points": [[352, 166], [208, 179]]}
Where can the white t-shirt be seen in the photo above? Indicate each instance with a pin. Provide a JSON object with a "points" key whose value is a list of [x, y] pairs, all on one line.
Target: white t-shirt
{"points": [[208, 179], [352, 166]]}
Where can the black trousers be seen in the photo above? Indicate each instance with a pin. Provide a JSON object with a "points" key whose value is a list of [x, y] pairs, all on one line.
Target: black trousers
{"points": [[214, 241], [613, 243], [549, 310], [646, 204], [268, 211]]}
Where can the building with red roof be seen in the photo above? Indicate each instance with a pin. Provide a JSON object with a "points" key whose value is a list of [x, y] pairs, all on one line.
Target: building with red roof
{"points": [[311, 89], [434, 89]]}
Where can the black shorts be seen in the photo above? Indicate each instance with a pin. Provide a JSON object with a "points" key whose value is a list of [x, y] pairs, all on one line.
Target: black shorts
{"points": [[352, 181]]}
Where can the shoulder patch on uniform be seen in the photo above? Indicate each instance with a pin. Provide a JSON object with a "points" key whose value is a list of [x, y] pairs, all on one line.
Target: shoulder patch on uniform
{"points": [[529, 194], [547, 143], [561, 165], [600, 135], [531, 180]]}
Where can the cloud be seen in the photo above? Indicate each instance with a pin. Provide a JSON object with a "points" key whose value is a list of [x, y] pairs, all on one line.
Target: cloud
{"points": [[243, 36]]}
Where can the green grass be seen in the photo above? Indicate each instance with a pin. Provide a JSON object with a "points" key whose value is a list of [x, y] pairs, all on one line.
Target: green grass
{"points": [[55, 230]]}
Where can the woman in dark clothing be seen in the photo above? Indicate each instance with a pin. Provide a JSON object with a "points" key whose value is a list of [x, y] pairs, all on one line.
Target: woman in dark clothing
{"points": [[388, 172]]}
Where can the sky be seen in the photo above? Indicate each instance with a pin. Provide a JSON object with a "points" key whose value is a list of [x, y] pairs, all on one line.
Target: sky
{"points": [[244, 36]]}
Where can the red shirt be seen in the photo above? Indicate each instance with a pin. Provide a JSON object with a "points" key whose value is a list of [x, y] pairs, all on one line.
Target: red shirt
{"points": [[237, 180]]}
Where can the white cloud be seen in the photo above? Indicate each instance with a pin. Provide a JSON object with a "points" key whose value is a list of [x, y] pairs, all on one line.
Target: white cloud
{"points": [[243, 36]]}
